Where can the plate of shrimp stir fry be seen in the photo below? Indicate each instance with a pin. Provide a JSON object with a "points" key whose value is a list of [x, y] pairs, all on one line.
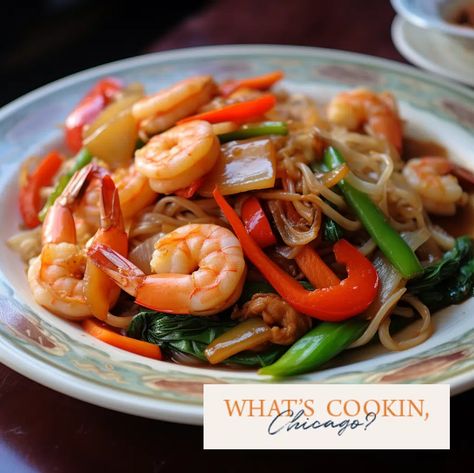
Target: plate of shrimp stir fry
{"points": [[234, 223]]}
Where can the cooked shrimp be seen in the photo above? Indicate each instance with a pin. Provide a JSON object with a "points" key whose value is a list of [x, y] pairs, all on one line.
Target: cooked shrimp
{"points": [[100, 292], [86, 210], [199, 269], [361, 107], [61, 278], [134, 192], [439, 190], [176, 158], [84, 231], [56, 280], [160, 111]]}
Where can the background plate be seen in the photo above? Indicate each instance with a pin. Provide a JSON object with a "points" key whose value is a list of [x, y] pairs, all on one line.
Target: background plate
{"points": [[60, 355], [434, 51]]}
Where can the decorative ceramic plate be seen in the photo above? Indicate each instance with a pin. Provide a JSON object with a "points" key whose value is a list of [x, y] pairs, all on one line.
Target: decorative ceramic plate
{"points": [[434, 15], [62, 356], [434, 51]]}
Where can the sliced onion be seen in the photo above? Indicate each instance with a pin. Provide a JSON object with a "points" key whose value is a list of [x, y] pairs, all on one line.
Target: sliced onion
{"points": [[141, 255], [288, 252], [390, 282], [443, 238], [289, 233], [390, 279], [416, 238]]}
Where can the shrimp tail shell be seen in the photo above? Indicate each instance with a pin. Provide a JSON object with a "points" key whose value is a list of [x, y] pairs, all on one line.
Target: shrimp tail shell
{"points": [[118, 268]]}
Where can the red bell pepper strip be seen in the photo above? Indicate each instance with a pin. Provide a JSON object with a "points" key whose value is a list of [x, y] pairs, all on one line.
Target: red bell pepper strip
{"points": [[30, 199], [332, 304], [188, 192], [88, 109], [262, 82], [318, 273], [256, 223], [238, 112]]}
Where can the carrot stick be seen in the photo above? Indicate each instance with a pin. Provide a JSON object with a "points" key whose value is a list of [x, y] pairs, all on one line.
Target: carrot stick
{"points": [[98, 330], [315, 269], [263, 82], [238, 112]]}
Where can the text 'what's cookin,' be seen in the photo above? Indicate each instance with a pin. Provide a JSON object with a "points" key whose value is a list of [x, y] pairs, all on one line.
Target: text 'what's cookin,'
{"points": [[333, 408]]}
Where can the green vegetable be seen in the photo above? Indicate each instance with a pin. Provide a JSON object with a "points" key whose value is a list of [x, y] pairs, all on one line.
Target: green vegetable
{"points": [[400, 255], [191, 335], [251, 131], [254, 287], [444, 268], [332, 231], [316, 347], [448, 281], [251, 358], [83, 158]]}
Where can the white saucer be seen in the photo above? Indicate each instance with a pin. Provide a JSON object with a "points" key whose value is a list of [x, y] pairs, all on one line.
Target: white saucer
{"points": [[433, 51]]}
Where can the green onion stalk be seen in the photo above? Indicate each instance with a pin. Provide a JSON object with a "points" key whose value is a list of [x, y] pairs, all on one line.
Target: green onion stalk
{"points": [[392, 245]]}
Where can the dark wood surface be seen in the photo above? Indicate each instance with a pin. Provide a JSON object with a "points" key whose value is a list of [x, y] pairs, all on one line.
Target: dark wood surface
{"points": [[352, 25], [44, 431]]}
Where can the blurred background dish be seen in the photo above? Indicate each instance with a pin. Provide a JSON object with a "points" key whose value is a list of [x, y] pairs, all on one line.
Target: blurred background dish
{"points": [[452, 17], [433, 51]]}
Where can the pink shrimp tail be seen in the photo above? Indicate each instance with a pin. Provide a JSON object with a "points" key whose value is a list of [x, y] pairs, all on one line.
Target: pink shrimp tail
{"points": [[110, 212], [59, 222], [59, 226], [124, 273], [101, 290]]}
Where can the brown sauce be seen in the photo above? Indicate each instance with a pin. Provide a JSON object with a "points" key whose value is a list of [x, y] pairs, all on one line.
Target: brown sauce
{"points": [[460, 224], [413, 148]]}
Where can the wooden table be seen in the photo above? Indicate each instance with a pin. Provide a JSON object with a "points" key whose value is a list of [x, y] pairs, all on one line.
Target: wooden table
{"points": [[43, 431]]}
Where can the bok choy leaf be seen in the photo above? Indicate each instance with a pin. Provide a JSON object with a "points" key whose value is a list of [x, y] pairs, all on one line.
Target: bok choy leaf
{"points": [[191, 335], [448, 281]]}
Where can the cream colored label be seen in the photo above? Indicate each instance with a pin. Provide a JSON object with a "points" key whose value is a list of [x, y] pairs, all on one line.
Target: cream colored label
{"points": [[326, 416]]}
